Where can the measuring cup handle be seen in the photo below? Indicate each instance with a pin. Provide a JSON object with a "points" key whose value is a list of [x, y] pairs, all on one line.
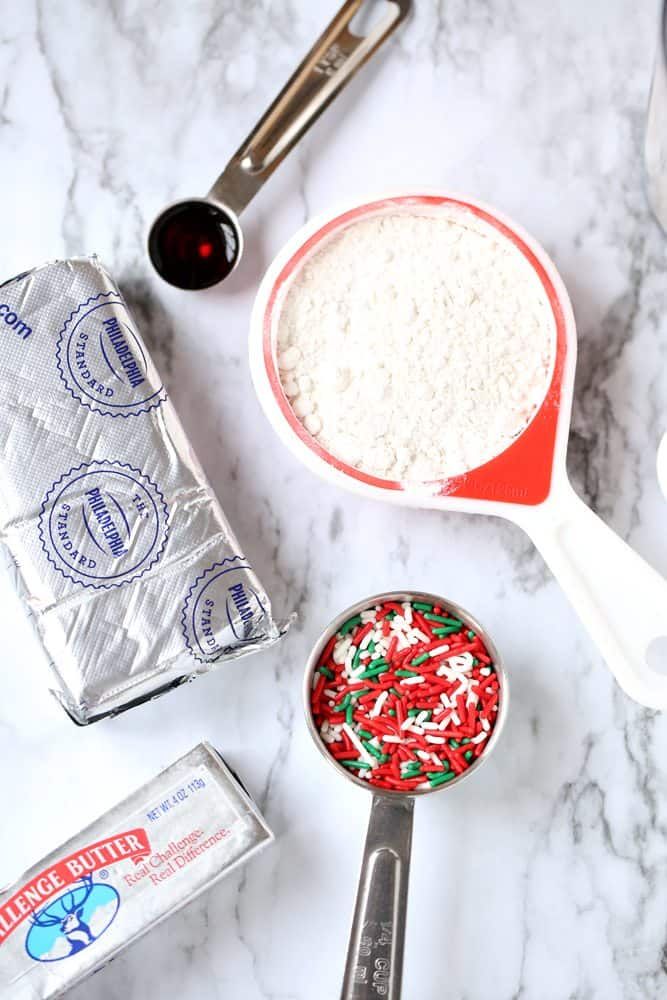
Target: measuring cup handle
{"points": [[374, 965], [330, 64], [620, 599]]}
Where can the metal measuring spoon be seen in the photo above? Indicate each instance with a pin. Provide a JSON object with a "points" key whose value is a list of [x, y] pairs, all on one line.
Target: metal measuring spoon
{"points": [[196, 243], [374, 964]]}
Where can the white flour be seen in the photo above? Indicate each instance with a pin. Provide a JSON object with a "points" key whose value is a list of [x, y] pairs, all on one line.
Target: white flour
{"points": [[416, 347]]}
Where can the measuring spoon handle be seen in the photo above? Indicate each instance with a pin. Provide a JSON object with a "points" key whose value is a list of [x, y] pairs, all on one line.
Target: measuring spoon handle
{"points": [[620, 599], [374, 965], [330, 64]]}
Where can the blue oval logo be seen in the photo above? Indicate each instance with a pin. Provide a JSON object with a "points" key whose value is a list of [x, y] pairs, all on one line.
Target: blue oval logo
{"points": [[72, 922], [222, 609], [103, 362], [103, 524]]}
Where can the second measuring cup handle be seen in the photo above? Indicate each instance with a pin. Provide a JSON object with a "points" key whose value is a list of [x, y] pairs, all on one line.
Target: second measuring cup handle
{"points": [[374, 963], [620, 599]]}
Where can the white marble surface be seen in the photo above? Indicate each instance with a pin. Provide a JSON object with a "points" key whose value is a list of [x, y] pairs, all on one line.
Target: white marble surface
{"points": [[545, 877]]}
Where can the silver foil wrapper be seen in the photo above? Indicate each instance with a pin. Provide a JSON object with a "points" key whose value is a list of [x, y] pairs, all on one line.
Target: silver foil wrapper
{"points": [[130, 570], [150, 855]]}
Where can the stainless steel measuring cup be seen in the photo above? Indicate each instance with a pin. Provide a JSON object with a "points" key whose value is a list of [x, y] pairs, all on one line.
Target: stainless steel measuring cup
{"points": [[374, 964], [196, 243]]}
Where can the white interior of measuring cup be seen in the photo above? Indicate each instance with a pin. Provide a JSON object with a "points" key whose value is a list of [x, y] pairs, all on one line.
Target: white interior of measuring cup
{"points": [[438, 493]]}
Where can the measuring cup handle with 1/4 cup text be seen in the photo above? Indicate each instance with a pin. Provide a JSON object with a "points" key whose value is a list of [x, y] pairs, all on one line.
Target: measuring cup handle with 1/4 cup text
{"points": [[375, 954]]}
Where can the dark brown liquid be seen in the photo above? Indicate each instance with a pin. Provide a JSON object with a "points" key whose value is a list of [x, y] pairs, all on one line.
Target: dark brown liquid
{"points": [[193, 244]]}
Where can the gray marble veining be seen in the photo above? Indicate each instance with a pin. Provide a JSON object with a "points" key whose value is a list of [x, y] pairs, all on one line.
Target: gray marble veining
{"points": [[546, 877]]}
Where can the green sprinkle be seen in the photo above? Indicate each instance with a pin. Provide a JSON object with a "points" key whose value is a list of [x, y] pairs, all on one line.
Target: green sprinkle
{"points": [[406, 673], [349, 714], [371, 646], [381, 667], [468, 755], [344, 703], [421, 606], [475, 661], [471, 634], [466, 739], [366, 735], [349, 625], [355, 659], [360, 692], [441, 779], [374, 750], [392, 711], [394, 691], [390, 615], [414, 711], [355, 763], [326, 672], [419, 659], [454, 744], [445, 631], [441, 618]]}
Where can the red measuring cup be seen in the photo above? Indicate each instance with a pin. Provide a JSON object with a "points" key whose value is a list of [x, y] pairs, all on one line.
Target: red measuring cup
{"points": [[606, 581]]}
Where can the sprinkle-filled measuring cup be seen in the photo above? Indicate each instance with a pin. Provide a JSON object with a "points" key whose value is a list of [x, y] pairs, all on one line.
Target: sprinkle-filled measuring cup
{"points": [[607, 582], [375, 952]]}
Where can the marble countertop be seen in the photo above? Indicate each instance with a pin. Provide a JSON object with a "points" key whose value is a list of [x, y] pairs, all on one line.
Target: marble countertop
{"points": [[546, 876]]}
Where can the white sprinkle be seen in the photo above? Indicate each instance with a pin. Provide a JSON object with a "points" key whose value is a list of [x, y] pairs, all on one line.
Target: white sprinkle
{"points": [[435, 739], [413, 680], [329, 693], [331, 704], [463, 661], [363, 752], [455, 719], [368, 616], [436, 759], [366, 639], [349, 657], [485, 671], [420, 635], [438, 651], [402, 641], [486, 725], [445, 722], [340, 649], [398, 624], [430, 725], [379, 702], [391, 739], [407, 612], [445, 700], [421, 718], [408, 723], [423, 755], [478, 739]]}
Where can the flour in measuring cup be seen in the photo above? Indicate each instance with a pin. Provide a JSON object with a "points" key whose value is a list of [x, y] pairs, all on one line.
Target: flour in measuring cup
{"points": [[416, 347]]}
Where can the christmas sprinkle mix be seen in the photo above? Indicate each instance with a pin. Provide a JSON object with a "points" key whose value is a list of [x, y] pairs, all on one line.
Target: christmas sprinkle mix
{"points": [[405, 695]]}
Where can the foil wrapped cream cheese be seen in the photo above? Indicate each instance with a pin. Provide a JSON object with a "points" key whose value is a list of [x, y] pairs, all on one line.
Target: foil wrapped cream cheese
{"points": [[130, 570], [146, 858]]}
